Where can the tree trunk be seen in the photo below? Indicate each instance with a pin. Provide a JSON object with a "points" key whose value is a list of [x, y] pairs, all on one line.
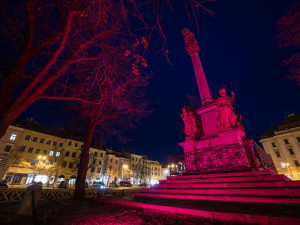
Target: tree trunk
{"points": [[83, 166]]}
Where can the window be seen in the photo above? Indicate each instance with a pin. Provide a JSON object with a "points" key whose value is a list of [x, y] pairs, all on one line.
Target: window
{"points": [[7, 148], [298, 139], [273, 144], [76, 145], [57, 154], [101, 154], [64, 164], [296, 162], [54, 143], [282, 165], [70, 143], [70, 165], [98, 170], [95, 153], [26, 160], [77, 165], [291, 151], [27, 137], [92, 169], [13, 137], [34, 139], [42, 140], [286, 141], [100, 162], [116, 161], [45, 152], [37, 151], [67, 153], [30, 150], [94, 161], [278, 154], [48, 142], [22, 149], [60, 144], [73, 154], [51, 153], [135, 159], [33, 162]]}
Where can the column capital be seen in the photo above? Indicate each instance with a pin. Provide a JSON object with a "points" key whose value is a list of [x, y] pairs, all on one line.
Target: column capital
{"points": [[191, 44]]}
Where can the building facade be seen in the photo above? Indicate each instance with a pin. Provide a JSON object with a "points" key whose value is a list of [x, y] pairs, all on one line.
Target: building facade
{"points": [[282, 142], [156, 172], [31, 155]]}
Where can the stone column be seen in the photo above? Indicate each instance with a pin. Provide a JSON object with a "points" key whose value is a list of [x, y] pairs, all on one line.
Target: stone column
{"points": [[191, 46]]}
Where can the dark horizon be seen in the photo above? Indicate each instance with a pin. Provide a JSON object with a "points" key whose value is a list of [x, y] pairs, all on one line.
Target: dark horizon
{"points": [[238, 46]]}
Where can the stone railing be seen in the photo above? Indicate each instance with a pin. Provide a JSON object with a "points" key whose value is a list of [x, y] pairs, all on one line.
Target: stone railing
{"points": [[222, 158], [17, 194]]}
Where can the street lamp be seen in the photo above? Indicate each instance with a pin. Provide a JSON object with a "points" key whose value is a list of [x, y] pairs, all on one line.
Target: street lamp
{"points": [[287, 166], [125, 167]]}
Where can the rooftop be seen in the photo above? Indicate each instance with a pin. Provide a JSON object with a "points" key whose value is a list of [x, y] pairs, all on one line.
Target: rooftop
{"points": [[291, 121]]}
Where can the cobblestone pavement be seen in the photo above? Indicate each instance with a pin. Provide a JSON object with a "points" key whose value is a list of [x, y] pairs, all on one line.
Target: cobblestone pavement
{"points": [[89, 212]]}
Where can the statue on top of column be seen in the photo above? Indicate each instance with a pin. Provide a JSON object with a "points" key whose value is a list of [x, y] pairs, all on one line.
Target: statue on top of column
{"points": [[192, 124], [226, 117], [191, 44]]}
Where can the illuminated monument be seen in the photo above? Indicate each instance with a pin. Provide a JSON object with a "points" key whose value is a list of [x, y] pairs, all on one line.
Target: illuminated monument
{"points": [[222, 175], [215, 138]]}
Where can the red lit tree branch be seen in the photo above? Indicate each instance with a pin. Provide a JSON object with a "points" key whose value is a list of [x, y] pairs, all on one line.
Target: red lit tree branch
{"points": [[288, 28]]}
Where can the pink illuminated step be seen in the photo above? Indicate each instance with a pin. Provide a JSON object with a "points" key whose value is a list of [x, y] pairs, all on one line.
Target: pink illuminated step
{"points": [[275, 200], [228, 179], [253, 192], [280, 184], [235, 174]]}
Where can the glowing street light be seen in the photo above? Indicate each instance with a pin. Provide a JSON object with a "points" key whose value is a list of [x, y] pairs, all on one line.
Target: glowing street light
{"points": [[125, 166]]}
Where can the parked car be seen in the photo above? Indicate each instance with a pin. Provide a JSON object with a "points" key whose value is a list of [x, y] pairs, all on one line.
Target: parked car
{"points": [[3, 184], [98, 184], [113, 185], [125, 184], [63, 184], [143, 185]]}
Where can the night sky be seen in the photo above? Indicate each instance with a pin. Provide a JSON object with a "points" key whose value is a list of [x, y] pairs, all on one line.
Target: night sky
{"points": [[237, 46]]}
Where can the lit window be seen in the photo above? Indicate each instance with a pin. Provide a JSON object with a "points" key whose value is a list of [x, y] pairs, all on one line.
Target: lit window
{"points": [[33, 162], [13, 137], [51, 153], [282, 165], [57, 154]]}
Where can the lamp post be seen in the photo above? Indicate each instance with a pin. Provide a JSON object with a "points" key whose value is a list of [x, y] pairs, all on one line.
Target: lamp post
{"points": [[125, 167], [287, 166]]}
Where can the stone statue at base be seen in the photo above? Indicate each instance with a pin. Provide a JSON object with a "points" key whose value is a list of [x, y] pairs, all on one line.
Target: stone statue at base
{"points": [[227, 119], [192, 124]]}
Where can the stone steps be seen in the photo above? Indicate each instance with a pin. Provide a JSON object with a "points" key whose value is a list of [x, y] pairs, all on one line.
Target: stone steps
{"points": [[226, 191], [263, 187], [276, 184], [263, 178]]}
